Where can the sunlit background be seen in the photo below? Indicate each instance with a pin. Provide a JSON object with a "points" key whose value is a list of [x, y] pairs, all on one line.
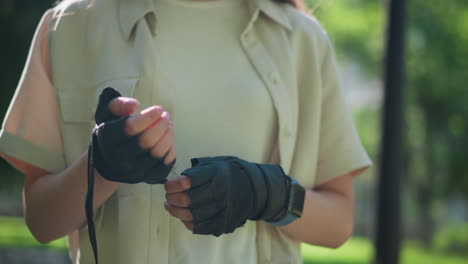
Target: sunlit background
{"points": [[435, 174]]}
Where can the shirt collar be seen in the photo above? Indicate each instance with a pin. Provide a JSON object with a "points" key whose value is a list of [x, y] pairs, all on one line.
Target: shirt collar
{"points": [[131, 11]]}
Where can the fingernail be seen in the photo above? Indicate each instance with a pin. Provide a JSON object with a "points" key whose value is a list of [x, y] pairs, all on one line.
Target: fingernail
{"points": [[165, 115]]}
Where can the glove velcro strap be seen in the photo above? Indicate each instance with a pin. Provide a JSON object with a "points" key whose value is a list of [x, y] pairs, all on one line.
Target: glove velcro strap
{"points": [[276, 183], [258, 182]]}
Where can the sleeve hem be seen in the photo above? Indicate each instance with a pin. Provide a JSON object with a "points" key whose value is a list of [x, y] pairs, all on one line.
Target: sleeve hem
{"points": [[33, 154], [345, 167]]}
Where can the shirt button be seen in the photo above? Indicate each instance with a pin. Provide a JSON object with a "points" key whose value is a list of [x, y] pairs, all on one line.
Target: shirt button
{"points": [[274, 77]]}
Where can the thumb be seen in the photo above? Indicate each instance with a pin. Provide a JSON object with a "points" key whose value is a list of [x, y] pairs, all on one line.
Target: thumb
{"points": [[123, 106], [112, 106]]}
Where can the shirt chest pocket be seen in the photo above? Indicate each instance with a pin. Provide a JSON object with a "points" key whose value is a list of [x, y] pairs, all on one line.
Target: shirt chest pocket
{"points": [[77, 108], [77, 105]]}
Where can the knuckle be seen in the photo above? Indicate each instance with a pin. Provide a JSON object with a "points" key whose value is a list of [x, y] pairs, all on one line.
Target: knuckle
{"points": [[170, 133], [144, 141], [171, 211], [181, 185], [188, 215], [186, 183], [185, 200], [157, 152], [168, 160], [130, 128]]}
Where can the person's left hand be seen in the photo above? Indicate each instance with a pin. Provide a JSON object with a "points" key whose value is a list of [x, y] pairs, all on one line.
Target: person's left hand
{"points": [[219, 194], [177, 201]]}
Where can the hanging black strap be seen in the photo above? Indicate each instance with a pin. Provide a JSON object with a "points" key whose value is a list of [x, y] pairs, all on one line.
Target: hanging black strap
{"points": [[89, 202]]}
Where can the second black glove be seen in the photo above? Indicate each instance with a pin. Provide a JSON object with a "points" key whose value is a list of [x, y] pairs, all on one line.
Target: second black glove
{"points": [[227, 191]]}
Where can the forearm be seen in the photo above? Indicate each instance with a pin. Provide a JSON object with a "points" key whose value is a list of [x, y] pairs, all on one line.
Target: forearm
{"points": [[327, 219], [54, 204]]}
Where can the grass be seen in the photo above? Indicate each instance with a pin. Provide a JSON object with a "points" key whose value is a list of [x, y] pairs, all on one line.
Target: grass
{"points": [[360, 251], [15, 234]]}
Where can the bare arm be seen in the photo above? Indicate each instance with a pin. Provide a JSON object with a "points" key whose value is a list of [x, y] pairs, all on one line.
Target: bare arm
{"points": [[54, 203], [328, 215]]}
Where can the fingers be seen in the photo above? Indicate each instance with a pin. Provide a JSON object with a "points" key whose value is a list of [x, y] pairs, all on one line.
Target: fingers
{"points": [[154, 133], [179, 212], [200, 175], [188, 225], [179, 199], [177, 184], [146, 118], [123, 106], [164, 144], [170, 156]]}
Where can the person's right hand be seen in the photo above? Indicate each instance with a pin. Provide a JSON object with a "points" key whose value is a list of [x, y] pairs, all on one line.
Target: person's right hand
{"points": [[130, 147], [154, 124]]}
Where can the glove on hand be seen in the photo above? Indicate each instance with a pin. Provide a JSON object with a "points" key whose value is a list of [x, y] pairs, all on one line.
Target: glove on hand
{"points": [[117, 156], [226, 191]]}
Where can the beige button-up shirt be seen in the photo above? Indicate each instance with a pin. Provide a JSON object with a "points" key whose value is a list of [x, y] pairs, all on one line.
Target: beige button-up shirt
{"points": [[90, 45]]}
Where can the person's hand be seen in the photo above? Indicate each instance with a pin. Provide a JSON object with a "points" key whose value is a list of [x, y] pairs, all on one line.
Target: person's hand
{"points": [[132, 148], [177, 201], [158, 136], [219, 194], [125, 106]]}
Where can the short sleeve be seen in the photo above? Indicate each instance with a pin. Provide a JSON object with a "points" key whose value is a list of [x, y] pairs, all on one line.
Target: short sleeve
{"points": [[340, 148], [31, 128]]}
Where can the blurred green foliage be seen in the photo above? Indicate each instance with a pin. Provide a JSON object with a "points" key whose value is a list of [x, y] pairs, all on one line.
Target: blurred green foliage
{"points": [[356, 29], [15, 233], [437, 86], [452, 238], [359, 251]]}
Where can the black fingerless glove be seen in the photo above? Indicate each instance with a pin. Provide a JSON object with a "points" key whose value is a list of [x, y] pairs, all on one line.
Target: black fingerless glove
{"points": [[117, 157], [227, 191]]}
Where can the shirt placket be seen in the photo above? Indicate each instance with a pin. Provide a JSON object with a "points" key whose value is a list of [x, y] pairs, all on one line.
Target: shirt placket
{"points": [[265, 67], [158, 229]]}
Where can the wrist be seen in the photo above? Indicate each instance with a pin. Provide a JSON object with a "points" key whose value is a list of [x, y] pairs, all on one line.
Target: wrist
{"points": [[294, 204], [100, 181], [284, 209]]}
